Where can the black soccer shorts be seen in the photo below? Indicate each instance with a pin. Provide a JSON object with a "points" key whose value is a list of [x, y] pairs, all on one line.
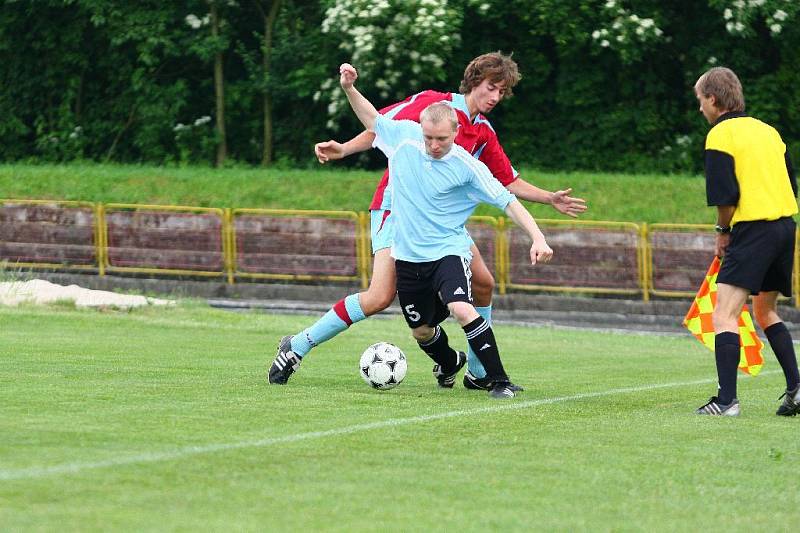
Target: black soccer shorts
{"points": [[760, 256], [425, 289]]}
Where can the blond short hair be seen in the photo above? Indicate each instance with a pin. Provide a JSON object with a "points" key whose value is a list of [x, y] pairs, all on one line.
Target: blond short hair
{"points": [[723, 84], [438, 112]]}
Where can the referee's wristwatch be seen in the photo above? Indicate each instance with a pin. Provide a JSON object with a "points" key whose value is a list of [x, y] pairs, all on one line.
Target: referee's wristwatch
{"points": [[722, 230]]}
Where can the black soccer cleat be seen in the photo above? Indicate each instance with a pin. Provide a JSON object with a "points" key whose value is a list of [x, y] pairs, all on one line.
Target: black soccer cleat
{"points": [[474, 383], [791, 403], [448, 379], [285, 363], [501, 390], [714, 408]]}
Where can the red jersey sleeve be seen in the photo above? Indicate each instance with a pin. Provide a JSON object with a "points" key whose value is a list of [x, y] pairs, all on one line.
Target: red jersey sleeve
{"points": [[411, 107], [494, 157]]}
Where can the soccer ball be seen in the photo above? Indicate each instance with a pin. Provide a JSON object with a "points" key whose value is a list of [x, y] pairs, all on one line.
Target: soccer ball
{"points": [[383, 366]]}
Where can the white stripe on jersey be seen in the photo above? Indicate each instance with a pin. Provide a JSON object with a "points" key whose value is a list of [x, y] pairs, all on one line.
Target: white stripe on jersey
{"points": [[390, 152], [383, 147], [394, 111], [484, 177], [420, 146], [480, 120]]}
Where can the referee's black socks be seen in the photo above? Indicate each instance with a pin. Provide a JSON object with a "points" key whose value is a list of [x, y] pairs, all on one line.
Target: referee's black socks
{"points": [[438, 348], [726, 351], [481, 339], [780, 340]]}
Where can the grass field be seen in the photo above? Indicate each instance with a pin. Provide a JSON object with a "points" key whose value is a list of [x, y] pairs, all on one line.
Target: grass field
{"points": [[624, 198], [160, 419]]}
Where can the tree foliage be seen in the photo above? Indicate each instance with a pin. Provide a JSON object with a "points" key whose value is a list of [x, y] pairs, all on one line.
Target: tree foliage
{"points": [[607, 84]]}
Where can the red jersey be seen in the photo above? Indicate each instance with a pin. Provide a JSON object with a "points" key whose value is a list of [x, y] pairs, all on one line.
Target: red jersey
{"points": [[477, 136]]}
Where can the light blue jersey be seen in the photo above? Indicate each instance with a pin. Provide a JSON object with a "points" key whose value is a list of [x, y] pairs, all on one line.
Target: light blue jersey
{"points": [[432, 198]]}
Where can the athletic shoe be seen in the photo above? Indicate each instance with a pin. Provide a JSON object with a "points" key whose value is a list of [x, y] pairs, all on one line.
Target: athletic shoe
{"points": [[447, 380], [714, 408], [474, 383], [501, 390], [285, 363], [791, 403]]}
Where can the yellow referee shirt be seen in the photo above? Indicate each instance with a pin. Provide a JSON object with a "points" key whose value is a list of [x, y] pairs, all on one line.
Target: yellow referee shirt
{"points": [[747, 165]]}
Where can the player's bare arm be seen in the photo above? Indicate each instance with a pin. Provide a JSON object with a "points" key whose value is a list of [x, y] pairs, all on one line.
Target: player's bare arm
{"points": [[540, 251], [560, 200], [332, 150], [362, 107]]}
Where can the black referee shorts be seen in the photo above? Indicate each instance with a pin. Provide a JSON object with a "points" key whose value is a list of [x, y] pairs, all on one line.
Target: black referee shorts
{"points": [[760, 256], [425, 289]]}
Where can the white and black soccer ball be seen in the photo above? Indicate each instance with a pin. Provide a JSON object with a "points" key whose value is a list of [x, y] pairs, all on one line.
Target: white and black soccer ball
{"points": [[383, 366]]}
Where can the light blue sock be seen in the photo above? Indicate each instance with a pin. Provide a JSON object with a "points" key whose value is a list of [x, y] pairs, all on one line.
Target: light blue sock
{"points": [[343, 314], [474, 365]]}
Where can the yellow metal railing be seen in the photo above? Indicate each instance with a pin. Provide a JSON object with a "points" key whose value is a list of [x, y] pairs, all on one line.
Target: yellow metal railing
{"points": [[360, 242], [364, 256], [642, 263], [675, 228], [646, 250], [96, 224], [626, 227], [498, 256], [701, 268], [158, 209]]}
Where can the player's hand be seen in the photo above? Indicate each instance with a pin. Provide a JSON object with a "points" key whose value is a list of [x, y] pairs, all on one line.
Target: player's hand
{"points": [[540, 252], [347, 75], [723, 240], [329, 151], [566, 204]]}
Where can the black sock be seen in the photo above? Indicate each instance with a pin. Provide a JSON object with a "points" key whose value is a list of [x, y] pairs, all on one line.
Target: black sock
{"points": [[481, 339], [438, 349], [781, 342], [726, 350]]}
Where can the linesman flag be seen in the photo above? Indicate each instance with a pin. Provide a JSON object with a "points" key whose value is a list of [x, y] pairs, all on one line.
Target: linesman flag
{"points": [[698, 322]]}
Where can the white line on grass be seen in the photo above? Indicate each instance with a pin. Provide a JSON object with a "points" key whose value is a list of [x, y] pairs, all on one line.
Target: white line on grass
{"points": [[180, 453]]}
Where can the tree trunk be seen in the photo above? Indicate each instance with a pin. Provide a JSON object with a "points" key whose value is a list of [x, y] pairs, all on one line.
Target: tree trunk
{"points": [[121, 132], [269, 24], [219, 90]]}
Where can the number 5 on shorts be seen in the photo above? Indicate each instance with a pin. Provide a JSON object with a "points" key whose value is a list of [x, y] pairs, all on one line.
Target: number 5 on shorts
{"points": [[412, 315]]}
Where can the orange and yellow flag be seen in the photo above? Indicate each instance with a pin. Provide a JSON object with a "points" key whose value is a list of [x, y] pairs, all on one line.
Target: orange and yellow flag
{"points": [[698, 322]]}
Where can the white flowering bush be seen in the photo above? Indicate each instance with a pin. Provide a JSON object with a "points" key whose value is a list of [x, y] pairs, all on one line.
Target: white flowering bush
{"points": [[740, 15], [195, 141], [397, 47], [196, 22], [60, 144], [680, 152], [625, 31]]}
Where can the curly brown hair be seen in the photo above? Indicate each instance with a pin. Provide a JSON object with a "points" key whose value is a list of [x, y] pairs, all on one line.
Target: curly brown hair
{"points": [[494, 66]]}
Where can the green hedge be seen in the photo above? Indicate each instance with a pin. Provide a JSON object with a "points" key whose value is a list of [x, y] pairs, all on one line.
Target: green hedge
{"points": [[108, 80]]}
